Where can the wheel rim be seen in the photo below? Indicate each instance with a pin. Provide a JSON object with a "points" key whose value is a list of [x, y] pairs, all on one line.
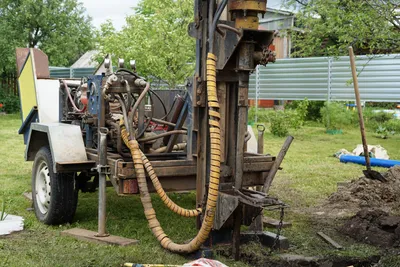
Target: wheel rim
{"points": [[42, 187]]}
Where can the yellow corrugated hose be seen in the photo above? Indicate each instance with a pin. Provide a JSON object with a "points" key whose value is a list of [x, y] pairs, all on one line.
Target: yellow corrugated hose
{"points": [[215, 138], [157, 185]]}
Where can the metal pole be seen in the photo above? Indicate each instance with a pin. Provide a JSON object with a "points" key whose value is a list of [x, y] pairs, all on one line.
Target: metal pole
{"points": [[329, 91], [257, 90], [102, 169], [260, 143]]}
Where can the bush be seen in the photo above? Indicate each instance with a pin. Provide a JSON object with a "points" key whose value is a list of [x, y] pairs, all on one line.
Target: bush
{"points": [[302, 111], [384, 105], [335, 116], [381, 117], [383, 132], [281, 121], [374, 120], [392, 125], [313, 108], [9, 103]]}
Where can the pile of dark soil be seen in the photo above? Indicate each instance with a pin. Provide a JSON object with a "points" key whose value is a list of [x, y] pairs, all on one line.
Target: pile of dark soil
{"points": [[367, 193], [374, 227]]}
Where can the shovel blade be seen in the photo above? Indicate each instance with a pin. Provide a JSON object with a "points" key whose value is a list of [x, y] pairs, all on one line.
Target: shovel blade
{"points": [[374, 175]]}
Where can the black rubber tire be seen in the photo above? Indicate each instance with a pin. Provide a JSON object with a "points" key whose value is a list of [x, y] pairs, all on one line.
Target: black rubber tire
{"points": [[63, 193]]}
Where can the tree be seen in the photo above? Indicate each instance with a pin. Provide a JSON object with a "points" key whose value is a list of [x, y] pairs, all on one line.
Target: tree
{"points": [[330, 26], [58, 27], [156, 37]]}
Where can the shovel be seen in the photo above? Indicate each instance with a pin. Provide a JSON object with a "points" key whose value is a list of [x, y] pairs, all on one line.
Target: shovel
{"points": [[371, 174]]}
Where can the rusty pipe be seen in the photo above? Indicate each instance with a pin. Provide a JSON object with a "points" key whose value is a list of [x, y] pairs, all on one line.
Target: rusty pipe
{"points": [[162, 135], [180, 146], [229, 28]]}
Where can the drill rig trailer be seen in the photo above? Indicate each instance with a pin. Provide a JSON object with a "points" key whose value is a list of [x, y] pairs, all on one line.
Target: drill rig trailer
{"points": [[90, 133]]}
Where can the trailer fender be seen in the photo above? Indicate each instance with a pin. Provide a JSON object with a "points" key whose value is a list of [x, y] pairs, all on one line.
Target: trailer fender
{"points": [[65, 142]]}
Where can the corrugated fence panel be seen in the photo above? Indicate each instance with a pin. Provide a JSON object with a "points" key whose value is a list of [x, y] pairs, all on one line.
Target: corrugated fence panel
{"points": [[328, 78], [82, 72], [60, 72], [293, 79], [57, 72], [379, 79], [252, 86]]}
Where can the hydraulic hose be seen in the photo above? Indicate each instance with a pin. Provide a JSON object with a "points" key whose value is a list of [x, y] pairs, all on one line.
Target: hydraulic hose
{"points": [[157, 185], [71, 100], [135, 107], [215, 138]]}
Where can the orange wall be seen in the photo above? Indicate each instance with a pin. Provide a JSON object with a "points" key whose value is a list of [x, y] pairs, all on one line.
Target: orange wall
{"points": [[262, 103]]}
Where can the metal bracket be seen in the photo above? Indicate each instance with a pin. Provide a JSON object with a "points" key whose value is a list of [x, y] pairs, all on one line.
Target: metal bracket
{"points": [[106, 169]]}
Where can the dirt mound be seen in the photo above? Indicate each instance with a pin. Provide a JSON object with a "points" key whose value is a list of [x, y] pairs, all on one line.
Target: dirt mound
{"points": [[367, 193], [374, 227]]}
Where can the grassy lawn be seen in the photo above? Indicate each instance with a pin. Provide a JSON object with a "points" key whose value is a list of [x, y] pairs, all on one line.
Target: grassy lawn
{"points": [[309, 175]]}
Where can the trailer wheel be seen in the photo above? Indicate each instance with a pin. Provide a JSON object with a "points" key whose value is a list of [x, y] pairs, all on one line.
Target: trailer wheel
{"points": [[54, 195]]}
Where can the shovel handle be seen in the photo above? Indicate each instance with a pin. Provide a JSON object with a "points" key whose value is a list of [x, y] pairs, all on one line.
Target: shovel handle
{"points": [[359, 108]]}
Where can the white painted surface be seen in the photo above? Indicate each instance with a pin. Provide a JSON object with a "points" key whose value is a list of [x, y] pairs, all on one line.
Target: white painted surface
{"points": [[47, 94], [11, 224], [67, 143], [252, 143]]}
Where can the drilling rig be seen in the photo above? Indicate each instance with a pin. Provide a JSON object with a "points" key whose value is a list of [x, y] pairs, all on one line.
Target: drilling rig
{"points": [[87, 134]]}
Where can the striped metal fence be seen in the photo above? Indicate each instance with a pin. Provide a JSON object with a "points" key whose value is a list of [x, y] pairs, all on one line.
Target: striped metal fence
{"points": [[328, 79], [60, 72]]}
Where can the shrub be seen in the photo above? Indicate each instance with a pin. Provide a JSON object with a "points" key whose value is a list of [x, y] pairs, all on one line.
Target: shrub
{"points": [[373, 120], [384, 105], [313, 108], [392, 125], [381, 117], [383, 132], [302, 111], [335, 116], [10, 103], [281, 121]]}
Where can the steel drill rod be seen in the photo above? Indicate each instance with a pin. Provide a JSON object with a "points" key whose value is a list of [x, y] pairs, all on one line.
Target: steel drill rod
{"points": [[102, 182]]}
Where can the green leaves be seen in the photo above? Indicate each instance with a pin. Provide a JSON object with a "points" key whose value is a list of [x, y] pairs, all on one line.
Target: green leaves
{"points": [[156, 37], [332, 25], [58, 27]]}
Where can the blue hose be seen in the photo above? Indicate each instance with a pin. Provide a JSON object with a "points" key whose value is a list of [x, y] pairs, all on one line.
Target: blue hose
{"points": [[386, 163]]}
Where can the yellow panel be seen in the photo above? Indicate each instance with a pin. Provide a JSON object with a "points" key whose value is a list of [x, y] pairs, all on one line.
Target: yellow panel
{"points": [[27, 89]]}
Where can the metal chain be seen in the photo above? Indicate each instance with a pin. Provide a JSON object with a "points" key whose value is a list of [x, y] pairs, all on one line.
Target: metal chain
{"points": [[280, 226]]}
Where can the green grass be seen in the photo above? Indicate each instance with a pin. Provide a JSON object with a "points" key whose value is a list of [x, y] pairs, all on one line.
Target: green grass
{"points": [[310, 172], [309, 175], [41, 245]]}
